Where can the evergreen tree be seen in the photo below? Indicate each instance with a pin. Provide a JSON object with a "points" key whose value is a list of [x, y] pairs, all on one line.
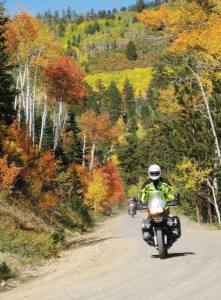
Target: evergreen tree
{"points": [[75, 154], [133, 159], [114, 102], [7, 90], [140, 5], [101, 95], [91, 100], [129, 102], [131, 51]]}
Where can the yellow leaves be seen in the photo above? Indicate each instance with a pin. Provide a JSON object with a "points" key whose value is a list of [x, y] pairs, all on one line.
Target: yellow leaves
{"points": [[97, 191], [160, 19], [167, 103], [193, 28], [192, 175], [140, 132], [138, 77], [205, 37], [173, 20]]}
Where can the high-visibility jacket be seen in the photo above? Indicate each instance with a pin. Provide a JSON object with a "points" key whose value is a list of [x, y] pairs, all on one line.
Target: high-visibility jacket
{"points": [[161, 184]]}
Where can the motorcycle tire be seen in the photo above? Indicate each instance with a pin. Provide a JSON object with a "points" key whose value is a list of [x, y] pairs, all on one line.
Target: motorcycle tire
{"points": [[161, 245]]}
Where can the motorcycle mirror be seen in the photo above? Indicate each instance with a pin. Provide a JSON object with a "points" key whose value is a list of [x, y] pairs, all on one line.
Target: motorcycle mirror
{"points": [[174, 202], [177, 196], [141, 206]]}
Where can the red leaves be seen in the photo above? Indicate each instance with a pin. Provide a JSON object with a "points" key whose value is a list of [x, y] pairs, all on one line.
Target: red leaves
{"points": [[8, 173], [115, 185], [64, 80]]}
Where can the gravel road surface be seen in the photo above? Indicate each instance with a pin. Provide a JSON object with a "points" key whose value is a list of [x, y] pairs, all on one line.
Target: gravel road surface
{"points": [[114, 263]]}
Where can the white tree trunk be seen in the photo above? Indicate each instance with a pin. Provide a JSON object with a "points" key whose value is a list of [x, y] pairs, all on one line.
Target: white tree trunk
{"points": [[214, 201], [84, 149], [57, 128], [92, 156], [43, 121], [206, 101]]}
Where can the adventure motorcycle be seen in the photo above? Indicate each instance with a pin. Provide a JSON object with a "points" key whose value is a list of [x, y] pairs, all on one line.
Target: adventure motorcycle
{"points": [[159, 229]]}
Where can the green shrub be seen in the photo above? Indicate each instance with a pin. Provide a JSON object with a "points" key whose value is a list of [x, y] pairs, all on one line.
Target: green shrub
{"points": [[26, 243], [5, 272]]}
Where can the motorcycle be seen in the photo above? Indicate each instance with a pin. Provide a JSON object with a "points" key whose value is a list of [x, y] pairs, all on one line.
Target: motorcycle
{"points": [[132, 209], [159, 229]]}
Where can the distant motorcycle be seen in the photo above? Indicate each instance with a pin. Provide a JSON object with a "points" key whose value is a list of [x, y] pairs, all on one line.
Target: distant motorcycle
{"points": [[132, 208], [160, 229]]}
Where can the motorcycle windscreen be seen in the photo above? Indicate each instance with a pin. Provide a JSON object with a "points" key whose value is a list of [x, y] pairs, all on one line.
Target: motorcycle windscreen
{"points": [[156, 200]]}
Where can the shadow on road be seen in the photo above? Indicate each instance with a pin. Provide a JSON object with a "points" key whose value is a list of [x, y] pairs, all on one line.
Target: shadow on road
{"points": [[89, 241], [171, 255]]}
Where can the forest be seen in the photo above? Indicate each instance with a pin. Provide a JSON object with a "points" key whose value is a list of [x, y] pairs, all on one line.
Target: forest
{"points": [[89, 101]]}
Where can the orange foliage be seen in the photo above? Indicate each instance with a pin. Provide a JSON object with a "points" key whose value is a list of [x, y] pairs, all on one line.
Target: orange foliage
{"points": [[99, 128], [64, 80], [31, 41], [21, 32], [41, 171], [115, 185], [18, 145], [8, 173], [49, 199]]}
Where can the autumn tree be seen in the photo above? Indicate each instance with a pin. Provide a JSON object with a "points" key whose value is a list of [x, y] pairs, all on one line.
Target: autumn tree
{"points": [[99, 134], [32, 45], [116, 190], [193, 28], [64, 83]]}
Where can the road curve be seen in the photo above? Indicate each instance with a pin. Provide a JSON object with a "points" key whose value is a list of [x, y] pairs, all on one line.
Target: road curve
{"points": [[113, 262]]}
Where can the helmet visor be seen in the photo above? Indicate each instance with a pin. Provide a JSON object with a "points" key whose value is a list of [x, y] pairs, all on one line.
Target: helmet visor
{"points": [[156, 173]]}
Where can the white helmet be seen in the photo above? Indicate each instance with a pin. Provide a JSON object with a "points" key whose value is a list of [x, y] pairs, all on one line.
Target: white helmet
{"points": [[154, 172]]}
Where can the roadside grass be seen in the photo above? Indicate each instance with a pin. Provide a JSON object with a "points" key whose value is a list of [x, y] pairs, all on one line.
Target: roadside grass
{"points": [[27, 243]]}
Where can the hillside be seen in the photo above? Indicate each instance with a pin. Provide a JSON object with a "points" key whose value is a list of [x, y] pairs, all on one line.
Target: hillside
{"points": [[104, 48], [89, 103]]}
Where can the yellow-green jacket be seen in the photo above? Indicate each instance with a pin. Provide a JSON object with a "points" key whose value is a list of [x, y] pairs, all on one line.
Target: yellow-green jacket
{"points": [[160, 185]]}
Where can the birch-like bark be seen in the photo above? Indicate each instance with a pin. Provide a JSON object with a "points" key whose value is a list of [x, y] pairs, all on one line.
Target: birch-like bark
{"points": [[57, 128], [43, 121], [206, 101], [92, 156], [215, 201], [106, 154], [84, 149]]}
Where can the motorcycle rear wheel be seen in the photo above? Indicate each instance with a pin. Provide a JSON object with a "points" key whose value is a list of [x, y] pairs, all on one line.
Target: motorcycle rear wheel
{"points": [[161, 245]]}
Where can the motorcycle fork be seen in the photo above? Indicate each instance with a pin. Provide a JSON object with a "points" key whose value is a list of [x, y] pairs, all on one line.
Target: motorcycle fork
{"points": [[155, 236]]}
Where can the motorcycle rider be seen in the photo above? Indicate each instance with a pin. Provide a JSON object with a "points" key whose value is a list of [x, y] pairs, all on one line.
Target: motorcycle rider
{"points": [[155, 182]]}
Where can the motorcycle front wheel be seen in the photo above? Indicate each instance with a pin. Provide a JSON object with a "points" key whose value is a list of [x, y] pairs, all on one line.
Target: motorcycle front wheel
{"points": [[161, 244]]}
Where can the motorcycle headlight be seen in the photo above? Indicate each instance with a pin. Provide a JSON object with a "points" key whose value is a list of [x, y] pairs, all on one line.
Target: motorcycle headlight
{"points": [[156, 210]]}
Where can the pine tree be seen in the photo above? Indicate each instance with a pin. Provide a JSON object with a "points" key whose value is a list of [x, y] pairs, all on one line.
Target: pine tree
{"points": [[131, 51], [101, 95], [75, 154], [114, 101], [129, 101], [7, 89], [140, 5]]}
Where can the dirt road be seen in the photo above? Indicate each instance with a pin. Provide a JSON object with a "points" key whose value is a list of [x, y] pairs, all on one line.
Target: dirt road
{"points": [[114, 263]]}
